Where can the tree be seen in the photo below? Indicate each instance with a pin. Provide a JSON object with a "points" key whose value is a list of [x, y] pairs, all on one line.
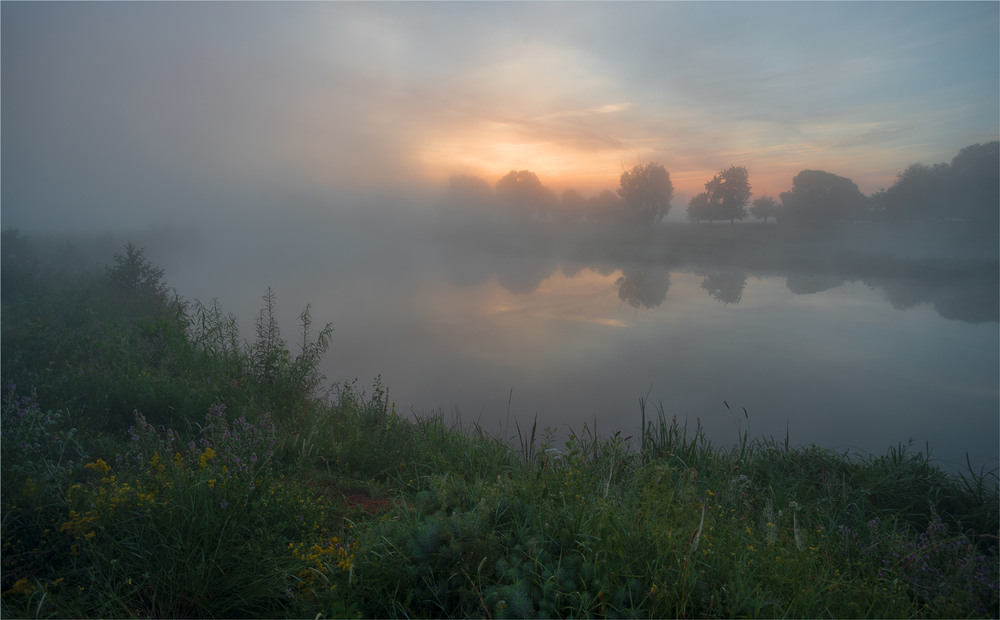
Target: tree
{"points": [[822, 197], [604, 207], [765, 207], [699, 209], [137, 278], [975, 173], [523, 195], [728, 193], [919, 192], [647, 192]]}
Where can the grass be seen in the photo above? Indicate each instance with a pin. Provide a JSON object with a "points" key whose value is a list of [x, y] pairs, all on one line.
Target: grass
{"points": [[157, 464]]}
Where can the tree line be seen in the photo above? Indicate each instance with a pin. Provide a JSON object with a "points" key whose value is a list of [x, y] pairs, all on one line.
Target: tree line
{"points": [[967, 188]]}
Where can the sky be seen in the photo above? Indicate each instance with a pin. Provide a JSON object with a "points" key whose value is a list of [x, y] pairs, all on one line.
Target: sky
{"points": [[129, 114]]}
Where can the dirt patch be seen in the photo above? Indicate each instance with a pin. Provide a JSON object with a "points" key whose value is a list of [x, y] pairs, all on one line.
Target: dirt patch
{"points": [[365, 502], [353, 499]]}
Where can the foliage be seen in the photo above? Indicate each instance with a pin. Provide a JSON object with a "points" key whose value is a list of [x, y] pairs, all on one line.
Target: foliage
{"points": [[920, 191], [727, 194], [604, 206], [699, 208], [765, 207], [110, 343], [976, 177], [968, 188], [226, 510], [136, 279], [173, 528], [646, 192], [822, 197], [522, 195]]}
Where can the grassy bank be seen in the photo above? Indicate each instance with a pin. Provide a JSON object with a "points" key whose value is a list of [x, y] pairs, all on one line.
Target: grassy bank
{"points": [[156, 462]]}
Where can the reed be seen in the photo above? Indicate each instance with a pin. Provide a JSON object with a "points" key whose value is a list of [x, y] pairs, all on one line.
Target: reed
{"points": [[275, 497]]}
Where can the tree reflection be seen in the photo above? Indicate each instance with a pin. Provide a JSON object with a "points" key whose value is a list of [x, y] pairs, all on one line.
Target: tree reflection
{"points": [[522, 275], [967, 300], [807, 284], [643, 288], [725, 286]]}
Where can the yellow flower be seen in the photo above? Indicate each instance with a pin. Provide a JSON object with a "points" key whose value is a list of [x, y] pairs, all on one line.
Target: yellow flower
{"points": [[22, 586], [98, 465], [206, 456]]}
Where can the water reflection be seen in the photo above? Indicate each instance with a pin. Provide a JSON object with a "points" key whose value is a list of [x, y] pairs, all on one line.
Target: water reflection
{"points": [[644, 287], [810, 283], [957, 290], [724, 286], [850, 347]]}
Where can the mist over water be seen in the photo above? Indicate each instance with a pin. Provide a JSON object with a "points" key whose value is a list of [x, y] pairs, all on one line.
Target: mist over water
{"points": [[841, 340], [355, 157]]}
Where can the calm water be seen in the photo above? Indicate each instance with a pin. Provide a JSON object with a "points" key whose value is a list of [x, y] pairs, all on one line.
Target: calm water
{"points": [[491, 336]]}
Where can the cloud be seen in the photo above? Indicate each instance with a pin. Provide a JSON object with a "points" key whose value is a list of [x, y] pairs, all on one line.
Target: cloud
{"points": [[127, 111]]}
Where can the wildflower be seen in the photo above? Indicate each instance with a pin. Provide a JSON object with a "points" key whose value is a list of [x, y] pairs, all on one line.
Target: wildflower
{"points": [[206, 456], [99, 465], [22, 586]]}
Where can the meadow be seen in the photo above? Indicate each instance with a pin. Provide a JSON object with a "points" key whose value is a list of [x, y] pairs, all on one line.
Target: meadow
{"points": [[158, 463]]}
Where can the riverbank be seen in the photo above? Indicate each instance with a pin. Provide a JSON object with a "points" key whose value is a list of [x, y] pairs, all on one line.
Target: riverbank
{"points": [[167, 465]]}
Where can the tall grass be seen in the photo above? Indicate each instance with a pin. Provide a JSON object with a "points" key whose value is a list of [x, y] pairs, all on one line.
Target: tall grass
{"points": [[165, 466]]}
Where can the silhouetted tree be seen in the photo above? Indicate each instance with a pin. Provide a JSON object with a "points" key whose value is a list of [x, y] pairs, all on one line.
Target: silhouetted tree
{"points": [[647, 192], [765, 207], [920, 192], [728, 193], [137, 278], [699, 209], [822, 197], [604, 207], [643, 288], [522, 195], [975, 175]]}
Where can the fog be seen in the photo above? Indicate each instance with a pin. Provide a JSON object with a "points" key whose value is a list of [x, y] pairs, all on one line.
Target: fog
{"points": [[445, 184]]}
